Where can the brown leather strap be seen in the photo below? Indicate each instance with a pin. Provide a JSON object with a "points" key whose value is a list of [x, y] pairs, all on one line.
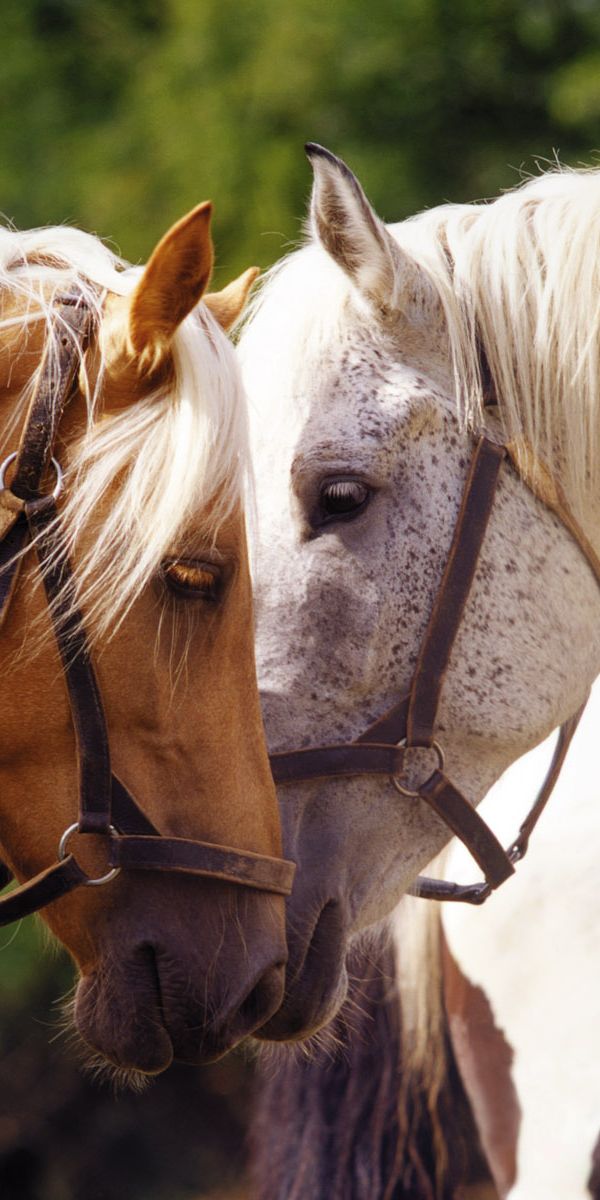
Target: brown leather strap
{"points": [[477, 893], [11, 557], [87, 711], [391, 726], [355, 758], [425, 888], [55, 381], [519, 847], [127, 816], [203, 858], [57, 373], [436, 647], [49, 885], [145, 849], [445, 799]]}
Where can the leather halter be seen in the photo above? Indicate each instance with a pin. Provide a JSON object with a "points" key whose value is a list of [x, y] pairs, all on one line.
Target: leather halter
{"points": [[410, 724], [105, 805]]}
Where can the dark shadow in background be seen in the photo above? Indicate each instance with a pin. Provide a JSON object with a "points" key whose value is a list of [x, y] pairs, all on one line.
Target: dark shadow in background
{"points": [[66, 1137]]}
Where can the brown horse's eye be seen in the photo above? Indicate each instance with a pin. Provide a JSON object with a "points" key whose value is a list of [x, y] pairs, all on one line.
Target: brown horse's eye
{"points": [[192, 579]]}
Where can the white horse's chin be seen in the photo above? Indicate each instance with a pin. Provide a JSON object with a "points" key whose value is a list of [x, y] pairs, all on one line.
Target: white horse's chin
{"points": [[317, 986], [306, 1010]]}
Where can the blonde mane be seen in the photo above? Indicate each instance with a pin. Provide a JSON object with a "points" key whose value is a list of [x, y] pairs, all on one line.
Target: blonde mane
{"points": [[178, 456], [521, 277]]}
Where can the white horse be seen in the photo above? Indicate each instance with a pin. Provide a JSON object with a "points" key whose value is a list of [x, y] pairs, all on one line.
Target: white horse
{"points": [[363, 364]]}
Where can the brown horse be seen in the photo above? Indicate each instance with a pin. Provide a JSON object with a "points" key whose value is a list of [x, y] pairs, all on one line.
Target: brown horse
{"points": [[153, 448]]}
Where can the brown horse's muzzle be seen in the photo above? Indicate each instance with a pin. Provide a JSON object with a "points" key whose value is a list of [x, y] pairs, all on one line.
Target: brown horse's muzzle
{"points": [[186, 980]]}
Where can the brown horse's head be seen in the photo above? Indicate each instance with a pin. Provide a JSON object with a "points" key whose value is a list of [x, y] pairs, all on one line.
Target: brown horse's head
{"points": [[154, 451]]}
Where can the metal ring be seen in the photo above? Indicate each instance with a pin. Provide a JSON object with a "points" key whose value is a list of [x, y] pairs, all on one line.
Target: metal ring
{"points": [[58, 486], [62, 854], [440, 766]]}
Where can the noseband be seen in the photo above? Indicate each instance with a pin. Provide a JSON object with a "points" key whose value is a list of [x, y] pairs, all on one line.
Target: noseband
{"points": [[409, 727], [105, 805]]}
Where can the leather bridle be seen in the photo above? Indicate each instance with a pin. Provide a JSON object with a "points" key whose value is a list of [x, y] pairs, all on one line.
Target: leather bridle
{"points": [[106, 807], [410, 725]]}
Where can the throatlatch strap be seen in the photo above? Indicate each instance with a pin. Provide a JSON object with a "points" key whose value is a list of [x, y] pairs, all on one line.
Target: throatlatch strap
{"points": [[565, 737], [436, 647]]}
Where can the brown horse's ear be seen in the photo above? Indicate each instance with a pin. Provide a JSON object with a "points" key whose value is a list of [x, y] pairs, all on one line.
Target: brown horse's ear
{"points": [[228, 304], [173, 282]]}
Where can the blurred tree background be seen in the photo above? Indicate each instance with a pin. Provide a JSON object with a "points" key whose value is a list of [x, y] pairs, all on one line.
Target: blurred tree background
{"points": [[118, 116]]}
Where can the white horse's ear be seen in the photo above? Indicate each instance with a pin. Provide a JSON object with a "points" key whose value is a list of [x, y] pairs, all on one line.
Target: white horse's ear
{"points": [[352, 233]]}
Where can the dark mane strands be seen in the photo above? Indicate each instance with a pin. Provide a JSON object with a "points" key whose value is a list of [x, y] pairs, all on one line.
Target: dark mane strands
{"points": [[327, 1126]]}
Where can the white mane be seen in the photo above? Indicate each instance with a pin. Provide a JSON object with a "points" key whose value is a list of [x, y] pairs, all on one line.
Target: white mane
{"points": [[520, 276], [173, 454]]}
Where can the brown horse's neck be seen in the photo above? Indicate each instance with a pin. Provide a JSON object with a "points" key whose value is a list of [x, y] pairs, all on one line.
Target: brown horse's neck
{"points": [[328, 1126]]}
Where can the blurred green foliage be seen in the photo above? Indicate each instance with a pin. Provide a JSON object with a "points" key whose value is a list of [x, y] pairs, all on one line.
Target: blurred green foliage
{"points": [[119, 115], [22, 946]]}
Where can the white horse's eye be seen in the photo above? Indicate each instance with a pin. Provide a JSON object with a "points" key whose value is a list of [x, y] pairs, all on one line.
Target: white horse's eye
{"points": [[191, 579], [342, 498]]}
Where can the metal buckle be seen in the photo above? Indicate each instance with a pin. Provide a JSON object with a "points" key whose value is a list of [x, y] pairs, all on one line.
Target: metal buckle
{"points": [[62, 854], [440, 767], [58, 486]]}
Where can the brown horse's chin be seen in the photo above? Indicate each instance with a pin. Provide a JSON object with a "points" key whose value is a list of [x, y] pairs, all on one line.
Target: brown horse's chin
{"points": [[317, 982], [124, 1026], [139, 1016]]}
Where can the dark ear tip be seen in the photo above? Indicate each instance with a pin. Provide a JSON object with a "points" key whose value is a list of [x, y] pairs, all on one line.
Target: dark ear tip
{"points": [[314, 150]]}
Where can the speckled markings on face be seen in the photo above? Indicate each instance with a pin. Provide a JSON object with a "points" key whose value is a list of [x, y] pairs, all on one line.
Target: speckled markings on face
{"points": [[341, 611]]}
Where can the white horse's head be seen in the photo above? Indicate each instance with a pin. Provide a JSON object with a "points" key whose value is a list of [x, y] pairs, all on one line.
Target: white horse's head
{"points": [[363, 364]]}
